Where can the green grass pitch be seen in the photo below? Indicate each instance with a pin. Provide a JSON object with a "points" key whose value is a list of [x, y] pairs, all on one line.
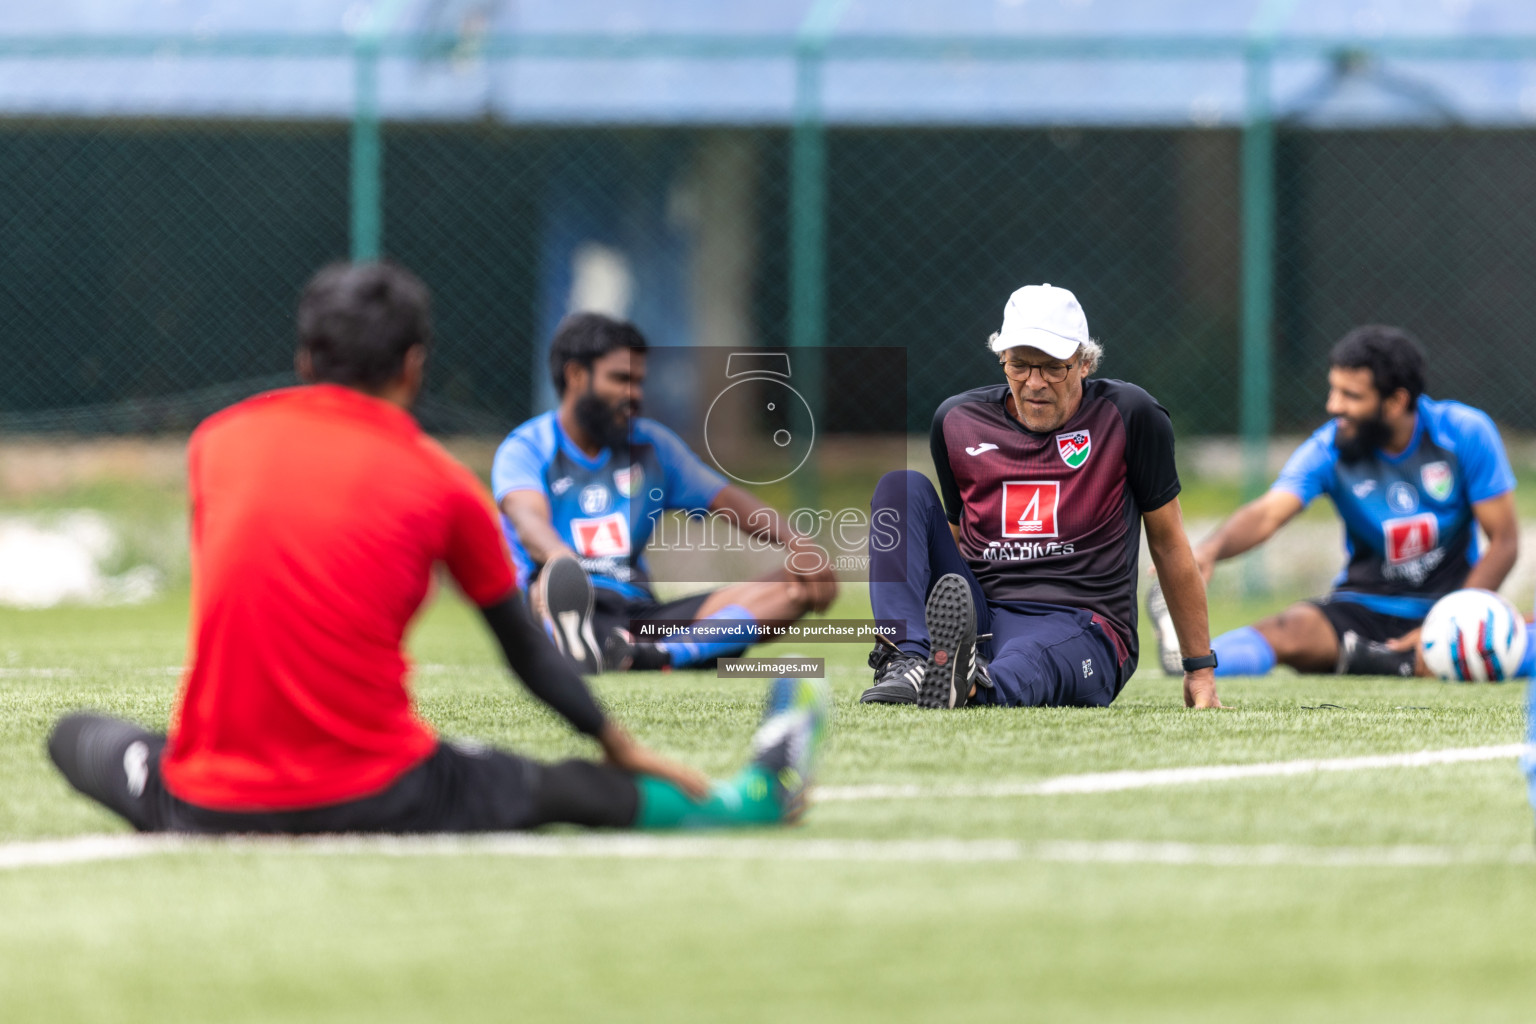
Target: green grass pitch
{"points": [[1391, 894]]}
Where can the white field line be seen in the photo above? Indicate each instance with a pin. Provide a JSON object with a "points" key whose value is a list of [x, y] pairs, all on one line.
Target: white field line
{"points": [[86, 849], [44, 672], [71, 673], [82, 850], [1112, 782], [648, 847]]}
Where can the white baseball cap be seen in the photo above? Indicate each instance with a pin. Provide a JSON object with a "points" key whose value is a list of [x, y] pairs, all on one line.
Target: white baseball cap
{"points": [[1045, 318]]}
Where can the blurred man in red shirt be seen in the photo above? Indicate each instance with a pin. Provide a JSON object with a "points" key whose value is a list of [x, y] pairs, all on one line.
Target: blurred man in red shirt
{"points": [[318, 513]]}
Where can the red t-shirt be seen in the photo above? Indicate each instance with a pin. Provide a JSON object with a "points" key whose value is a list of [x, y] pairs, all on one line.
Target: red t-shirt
{"points": [[317, 515]]}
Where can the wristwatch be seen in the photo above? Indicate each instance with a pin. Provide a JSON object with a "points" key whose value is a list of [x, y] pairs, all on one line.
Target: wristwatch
{"points": [[1204, 661]]}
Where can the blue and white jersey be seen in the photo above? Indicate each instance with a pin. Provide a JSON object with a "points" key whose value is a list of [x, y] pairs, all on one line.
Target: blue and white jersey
{"points": [[1408, 524], [606, 507]]}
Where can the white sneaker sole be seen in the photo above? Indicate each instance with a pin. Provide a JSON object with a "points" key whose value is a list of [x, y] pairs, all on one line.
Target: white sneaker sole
{"points": [[1167, 636], [567, 598]]}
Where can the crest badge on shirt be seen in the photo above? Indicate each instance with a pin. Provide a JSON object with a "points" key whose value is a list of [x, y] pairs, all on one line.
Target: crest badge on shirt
{"points": [[594, 499], [1074, 447], [1402, 498], [1438, 479], [628, 481]]}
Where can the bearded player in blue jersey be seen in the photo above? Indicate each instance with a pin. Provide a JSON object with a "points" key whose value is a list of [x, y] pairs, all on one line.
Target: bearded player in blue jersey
{"points": [[580, 490], [1412, 479]]}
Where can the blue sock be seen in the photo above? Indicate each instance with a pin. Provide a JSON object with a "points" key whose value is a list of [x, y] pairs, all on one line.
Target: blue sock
{"points": [[1243, 652], [1527, 667], [699, 642]]}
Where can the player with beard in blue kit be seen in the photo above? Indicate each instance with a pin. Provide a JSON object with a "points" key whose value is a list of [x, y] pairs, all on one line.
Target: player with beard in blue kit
{"points": [[1412, 479], [580, 489]]}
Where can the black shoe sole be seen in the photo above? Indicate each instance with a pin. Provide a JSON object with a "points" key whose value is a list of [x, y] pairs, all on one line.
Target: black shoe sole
{"points": [[568, 604], [951, 617], [889, 693]]}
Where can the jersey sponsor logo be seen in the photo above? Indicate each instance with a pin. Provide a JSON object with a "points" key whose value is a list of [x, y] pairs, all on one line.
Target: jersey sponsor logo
{"points": [[594, 499], [1402, 498], [1438, 479], [615, 567], [1025, 550], [629, 480], [1029, 508], [1411, 537], [981, 449], [605, 536], [1074, 447], [560, 486]]}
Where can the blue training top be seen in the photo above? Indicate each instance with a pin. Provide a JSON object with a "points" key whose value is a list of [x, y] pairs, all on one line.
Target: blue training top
{"points": [[1408, 523], [606, 507]]}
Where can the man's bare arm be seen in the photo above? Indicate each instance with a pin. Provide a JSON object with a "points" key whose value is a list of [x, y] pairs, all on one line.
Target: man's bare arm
{"points": [[1497, 518], [549, 677], [813, 569], [529, 513], [1184, 589], [1247, 528]]}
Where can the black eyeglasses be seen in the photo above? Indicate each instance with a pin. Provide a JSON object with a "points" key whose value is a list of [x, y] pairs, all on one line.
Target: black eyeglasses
{"points": [[1051, 373]]}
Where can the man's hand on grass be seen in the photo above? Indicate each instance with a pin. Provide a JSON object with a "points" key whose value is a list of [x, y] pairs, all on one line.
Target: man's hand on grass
{"points": [[1200, 689], [623, 752]]}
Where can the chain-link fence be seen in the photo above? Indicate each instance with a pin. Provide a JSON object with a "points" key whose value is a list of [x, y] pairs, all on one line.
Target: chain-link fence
{"points": [[149, 265]]}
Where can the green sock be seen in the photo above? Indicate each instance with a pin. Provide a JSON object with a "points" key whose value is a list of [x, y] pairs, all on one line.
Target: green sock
{"points": [[745, 800]]}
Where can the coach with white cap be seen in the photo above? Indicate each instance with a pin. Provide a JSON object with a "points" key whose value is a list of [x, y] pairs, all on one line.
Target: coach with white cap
{"points": [[1019, 587]]}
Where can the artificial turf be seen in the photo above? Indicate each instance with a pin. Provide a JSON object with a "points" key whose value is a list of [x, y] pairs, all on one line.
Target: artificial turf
{"points": [[835, 919]]}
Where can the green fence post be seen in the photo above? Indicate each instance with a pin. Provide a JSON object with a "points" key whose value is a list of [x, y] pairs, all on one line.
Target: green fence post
{"points": [[367, 185], [367, 172], [808, 231], [1258, 226], [1258, 271]]}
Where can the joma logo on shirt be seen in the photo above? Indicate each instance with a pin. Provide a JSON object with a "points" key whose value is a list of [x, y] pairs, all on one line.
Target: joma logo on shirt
{"points": [[1029, 508]]}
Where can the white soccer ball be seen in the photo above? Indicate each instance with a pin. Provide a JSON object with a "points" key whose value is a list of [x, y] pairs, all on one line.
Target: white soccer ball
{"points": [[1473, 636]]}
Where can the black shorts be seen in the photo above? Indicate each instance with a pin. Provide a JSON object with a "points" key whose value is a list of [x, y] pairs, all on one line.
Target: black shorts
{"points": [[461, 787], [611, 610], [1344, 616]]}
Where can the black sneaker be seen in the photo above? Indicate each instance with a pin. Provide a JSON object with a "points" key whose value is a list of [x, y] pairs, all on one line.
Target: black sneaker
{"points": [[981, 675], [1361, 657], [111, 762], [951, 666], [1167, 637], [622, 653], [564, 597], [897, 676]]}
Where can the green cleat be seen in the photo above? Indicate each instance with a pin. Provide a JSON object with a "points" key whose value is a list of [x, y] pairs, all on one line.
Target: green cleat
{"points": [[786, 745]]}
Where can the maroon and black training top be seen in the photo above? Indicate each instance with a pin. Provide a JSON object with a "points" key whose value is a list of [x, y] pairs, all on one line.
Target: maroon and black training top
{"points": [[1054, 517]]}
